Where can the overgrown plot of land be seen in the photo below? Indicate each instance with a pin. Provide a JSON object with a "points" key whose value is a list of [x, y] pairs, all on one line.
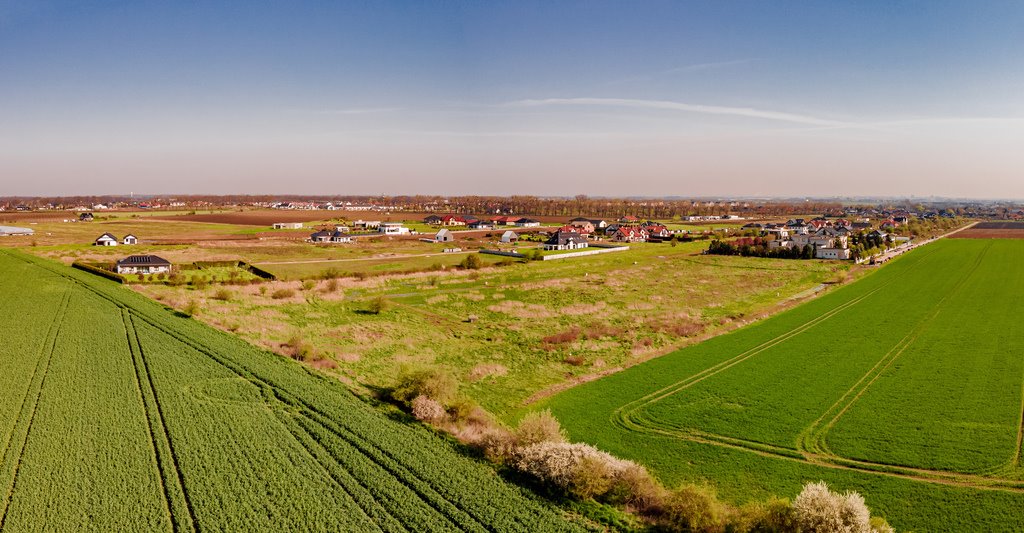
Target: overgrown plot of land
{"points": [[123, 416], [908, 380]]}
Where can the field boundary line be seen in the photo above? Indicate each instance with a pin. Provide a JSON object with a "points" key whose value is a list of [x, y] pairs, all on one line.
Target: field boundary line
{"points": [[49, 347], [175, 464]]}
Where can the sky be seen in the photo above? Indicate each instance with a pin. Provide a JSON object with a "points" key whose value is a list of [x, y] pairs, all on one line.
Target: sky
{"points": [[651, 98]]}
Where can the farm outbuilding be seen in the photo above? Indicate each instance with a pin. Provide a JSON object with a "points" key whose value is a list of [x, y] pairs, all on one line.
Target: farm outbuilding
{"points": [[509, 236], [130, 239], [444, 235], [105, 240], [288, 225]]}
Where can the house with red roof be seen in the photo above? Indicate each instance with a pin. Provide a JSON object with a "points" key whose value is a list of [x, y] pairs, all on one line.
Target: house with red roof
{"points": [[629, 234]]}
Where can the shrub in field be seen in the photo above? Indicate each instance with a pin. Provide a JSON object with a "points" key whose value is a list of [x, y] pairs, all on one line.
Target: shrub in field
{"points": [[463, 410], [471, 262], [191, 308], [819, 510], [331, 273], [378, 305], [435, 383], [497, 443], [427, 409], [331, 286], [538, 427], [693, 508], [199, 282], [281, 294], [300, 349], [308, 285], [223, 295], [773, 516], [552, 462], [634, 487]]}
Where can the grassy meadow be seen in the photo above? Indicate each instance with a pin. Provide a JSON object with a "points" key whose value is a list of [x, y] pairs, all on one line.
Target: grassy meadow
{"points": [[511, 332], [905, 386]]}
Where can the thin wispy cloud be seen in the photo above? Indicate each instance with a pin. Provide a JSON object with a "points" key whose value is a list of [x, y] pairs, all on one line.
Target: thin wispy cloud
{"points": [[748, 112]]}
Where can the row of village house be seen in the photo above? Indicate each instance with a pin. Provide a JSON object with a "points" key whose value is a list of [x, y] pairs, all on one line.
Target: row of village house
{"points": [[829, 238]]}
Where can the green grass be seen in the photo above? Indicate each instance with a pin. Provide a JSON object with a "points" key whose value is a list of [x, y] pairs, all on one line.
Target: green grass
{"points": [[915, 370], [121, 415], [626, 306]]}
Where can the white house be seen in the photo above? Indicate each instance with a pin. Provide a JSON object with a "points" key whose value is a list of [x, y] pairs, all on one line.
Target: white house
{"points": [[393, 228], [527, 223], [444, 235], [566, 240], [105, 240], [509, 236], [366, 224], [130, 239], [142, 264], [288, 225]]}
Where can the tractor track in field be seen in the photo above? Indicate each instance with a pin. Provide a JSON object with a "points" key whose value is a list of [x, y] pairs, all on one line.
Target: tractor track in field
{"points": [[172, 481], [29, 408], [624, 412], [813, 438], [422, 488], [374, 453], [629, 417]]}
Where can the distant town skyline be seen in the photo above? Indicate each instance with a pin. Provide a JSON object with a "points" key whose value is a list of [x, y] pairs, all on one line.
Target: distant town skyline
{"points": [[691, 99]]}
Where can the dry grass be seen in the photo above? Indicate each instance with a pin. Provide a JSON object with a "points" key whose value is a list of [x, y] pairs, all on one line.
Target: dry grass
{"points": [[519, 309], [484, 370]]}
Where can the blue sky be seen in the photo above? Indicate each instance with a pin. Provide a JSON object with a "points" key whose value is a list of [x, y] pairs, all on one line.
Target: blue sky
{"points": [[556, 98]]}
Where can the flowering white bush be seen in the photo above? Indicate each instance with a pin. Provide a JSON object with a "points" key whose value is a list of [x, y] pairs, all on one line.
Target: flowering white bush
{"points": [[819, 510], [427, 409]]}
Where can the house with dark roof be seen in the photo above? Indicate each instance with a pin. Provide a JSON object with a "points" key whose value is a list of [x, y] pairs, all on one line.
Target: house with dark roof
{"points": [[142, 264], [85, 217], [433, 220], [130, 240], [527, 223], [566, 240], [105, 240], [330, 237], [597, 222]]}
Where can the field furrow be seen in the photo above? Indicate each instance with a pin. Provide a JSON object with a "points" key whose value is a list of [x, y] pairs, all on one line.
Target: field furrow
{"points": [[178, 505]]}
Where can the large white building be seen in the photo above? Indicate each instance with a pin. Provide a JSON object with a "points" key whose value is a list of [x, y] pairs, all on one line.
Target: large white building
{"points": [[393, 228]]}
